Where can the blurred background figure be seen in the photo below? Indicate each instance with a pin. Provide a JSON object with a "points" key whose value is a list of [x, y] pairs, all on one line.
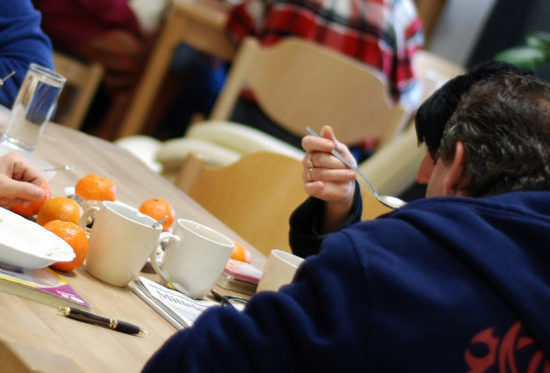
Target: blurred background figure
{"points": [[21, 42], [383, 34], [107, 32], [380, 33], [194, 81]]}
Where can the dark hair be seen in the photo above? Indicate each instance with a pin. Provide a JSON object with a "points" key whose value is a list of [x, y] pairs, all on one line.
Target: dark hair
{"points": [[504, 124], [435, 112]]}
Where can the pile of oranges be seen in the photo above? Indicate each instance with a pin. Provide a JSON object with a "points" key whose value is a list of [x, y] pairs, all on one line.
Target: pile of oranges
{"points": [[61, 215]]}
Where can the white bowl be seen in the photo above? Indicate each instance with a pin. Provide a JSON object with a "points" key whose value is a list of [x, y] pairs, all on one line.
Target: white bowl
{"points": [[25, 244]]}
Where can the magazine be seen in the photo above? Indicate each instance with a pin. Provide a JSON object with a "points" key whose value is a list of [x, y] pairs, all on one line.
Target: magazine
{"points": [[177, 308], [41, 285]]}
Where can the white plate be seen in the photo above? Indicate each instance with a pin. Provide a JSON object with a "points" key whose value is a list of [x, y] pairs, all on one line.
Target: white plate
{"points": [[25, 244]]}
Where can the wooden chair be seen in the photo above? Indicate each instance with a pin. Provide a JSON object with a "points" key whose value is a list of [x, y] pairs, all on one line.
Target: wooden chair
{"points": [[82, 82], [254, 196], [299, 83]]}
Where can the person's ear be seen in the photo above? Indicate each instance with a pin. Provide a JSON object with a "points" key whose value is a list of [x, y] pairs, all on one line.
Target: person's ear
{"points": [[456, 177], [425, 170]]}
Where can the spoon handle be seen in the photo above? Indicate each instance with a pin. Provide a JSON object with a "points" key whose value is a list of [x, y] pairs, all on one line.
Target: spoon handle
{"points": [[347, 163], [67, 167], [6, 78], [159, 223]]}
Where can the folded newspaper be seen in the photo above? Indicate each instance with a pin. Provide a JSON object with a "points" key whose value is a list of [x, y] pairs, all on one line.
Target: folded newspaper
{"points": [[177, 308]]}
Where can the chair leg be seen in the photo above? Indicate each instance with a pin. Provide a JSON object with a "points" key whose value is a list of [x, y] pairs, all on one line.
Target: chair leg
{"points": [[110, 122], [189, 172]]}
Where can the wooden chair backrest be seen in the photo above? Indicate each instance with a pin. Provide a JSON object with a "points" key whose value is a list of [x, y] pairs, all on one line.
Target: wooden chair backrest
{"points": [[253, 196], [372, 208], [298, 83], [82, 82]]}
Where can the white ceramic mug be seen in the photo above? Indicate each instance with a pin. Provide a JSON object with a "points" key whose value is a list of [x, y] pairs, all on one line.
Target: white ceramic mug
{"points": [[279, 270], [121, 240], [193, 264]]}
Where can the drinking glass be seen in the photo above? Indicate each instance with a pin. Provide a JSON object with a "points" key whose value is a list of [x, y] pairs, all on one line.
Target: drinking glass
{"points": [[33, 107]]}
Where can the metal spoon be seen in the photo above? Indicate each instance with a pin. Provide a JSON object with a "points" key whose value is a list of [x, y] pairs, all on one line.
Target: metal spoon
{"points": [[390, 201], [67, 167], [6, 78], [159, 223]]}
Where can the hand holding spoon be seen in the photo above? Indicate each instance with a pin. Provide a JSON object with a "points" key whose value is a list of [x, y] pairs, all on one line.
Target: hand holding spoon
{"points": [[390, 201]]}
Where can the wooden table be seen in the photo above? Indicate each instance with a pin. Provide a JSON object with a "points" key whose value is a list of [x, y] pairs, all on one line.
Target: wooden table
{"points": [[35, 336], [198, 23]]}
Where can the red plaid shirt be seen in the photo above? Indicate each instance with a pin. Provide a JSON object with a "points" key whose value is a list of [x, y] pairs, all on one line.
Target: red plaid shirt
{"points": [[381, 33]]}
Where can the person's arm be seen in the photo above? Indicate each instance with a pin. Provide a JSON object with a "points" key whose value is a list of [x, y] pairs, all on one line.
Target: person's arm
{"points": [[305, 224], [112, 13], [407, 34], [317, 323], [336, 199], [245, 19], [19, 181], [21, 42]]}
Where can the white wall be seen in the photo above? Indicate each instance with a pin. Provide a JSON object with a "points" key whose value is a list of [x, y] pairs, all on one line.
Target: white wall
{"points": [[458, 28]]}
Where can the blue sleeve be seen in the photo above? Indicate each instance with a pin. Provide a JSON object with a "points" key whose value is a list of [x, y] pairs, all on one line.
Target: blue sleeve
{"points": [[317, 323], [21, 42]]}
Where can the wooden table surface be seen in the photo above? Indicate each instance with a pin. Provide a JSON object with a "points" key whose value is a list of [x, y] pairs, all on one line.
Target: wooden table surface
{"points": [[36, 336], [198, 23]]}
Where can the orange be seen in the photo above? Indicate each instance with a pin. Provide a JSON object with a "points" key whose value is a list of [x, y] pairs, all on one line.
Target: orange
{"points": [[240, 253], [158, 208], [75, 236], [30, 208], [59, 208], [93, 187]]}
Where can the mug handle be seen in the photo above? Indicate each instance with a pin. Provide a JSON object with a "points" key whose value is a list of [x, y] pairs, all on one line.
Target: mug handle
{"points": [[164, 236], [87, 214]]}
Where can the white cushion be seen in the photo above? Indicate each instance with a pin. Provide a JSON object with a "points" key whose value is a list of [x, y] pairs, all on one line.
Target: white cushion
{"points": [[172, 153], [144, 148], [241, 138]]}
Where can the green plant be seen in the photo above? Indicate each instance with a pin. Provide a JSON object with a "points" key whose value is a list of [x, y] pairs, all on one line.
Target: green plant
{"points": [[534, 53]]}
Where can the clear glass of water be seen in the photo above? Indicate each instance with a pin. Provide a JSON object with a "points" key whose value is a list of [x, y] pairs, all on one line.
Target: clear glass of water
{"points": [[33, 107]]}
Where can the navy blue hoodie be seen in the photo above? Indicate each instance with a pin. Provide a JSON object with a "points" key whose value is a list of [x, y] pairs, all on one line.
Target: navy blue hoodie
{"points": [[445, 284]]}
